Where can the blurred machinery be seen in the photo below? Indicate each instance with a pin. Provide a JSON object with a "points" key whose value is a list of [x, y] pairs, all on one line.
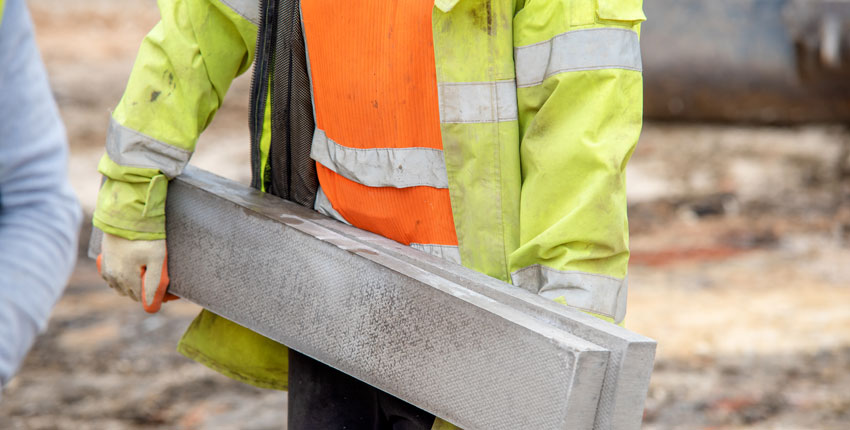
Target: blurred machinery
{"points": [[766, 61]]}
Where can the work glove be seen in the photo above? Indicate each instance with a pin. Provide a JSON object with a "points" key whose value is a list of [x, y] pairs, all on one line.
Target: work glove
{"points": [[136, 268]]}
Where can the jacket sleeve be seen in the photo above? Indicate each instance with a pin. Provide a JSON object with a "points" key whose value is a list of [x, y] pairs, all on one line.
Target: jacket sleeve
{"points": [[182, 72], [579, 92], [39, 214]]}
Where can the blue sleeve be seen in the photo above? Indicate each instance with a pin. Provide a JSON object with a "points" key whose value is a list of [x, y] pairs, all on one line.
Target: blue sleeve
{"points": [[39, 215]]}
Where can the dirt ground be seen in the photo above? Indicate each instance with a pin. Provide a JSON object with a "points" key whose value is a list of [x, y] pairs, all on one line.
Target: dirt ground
{"points": [[740, 269]]}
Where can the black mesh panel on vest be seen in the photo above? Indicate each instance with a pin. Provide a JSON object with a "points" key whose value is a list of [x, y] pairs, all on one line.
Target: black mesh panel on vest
{"points": [[292, 173]]}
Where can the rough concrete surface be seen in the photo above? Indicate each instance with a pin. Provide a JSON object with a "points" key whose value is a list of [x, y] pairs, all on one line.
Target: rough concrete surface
{"points": [[740, 239]]}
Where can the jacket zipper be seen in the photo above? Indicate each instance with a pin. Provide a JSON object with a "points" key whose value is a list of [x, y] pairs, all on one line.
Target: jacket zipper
{"points": [[259, 84]]}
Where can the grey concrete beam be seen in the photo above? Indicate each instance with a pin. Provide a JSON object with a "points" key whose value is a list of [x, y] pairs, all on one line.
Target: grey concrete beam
{"points": [[471, 349], [632, 356]]}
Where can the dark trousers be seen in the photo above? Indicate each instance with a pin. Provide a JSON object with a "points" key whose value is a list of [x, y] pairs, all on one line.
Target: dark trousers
{"points": [[322, 398]]}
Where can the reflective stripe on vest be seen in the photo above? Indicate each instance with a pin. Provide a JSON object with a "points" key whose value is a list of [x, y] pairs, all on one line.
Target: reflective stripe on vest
{"points": [[382, 167], [324, 207], [447, 252], [586, 49]]}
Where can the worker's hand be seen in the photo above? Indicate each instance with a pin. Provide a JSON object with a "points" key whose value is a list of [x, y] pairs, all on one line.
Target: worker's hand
{"points": [[136, 268]]}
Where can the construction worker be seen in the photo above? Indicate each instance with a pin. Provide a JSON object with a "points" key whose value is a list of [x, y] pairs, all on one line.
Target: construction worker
{"points": [[39, 214], [493, 133]]}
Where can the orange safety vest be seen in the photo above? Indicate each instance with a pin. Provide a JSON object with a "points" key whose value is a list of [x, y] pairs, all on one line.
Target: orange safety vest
{"points": [[375, 87]]}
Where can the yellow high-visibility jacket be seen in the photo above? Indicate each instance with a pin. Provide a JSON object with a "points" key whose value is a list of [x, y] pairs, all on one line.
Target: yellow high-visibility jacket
{"points": [[540, 110]]}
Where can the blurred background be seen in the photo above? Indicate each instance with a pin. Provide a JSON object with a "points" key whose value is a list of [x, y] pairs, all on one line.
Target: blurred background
{"points": [[739, 213]]}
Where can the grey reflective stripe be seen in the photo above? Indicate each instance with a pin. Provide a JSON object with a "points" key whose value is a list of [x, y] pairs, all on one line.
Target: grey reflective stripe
{"points": [[382, 167], [460, 103], [248, 9], [307, 57], [446, 252], [476, 102], [324, 207], [604, 295], [588, 49], [129, 148]]}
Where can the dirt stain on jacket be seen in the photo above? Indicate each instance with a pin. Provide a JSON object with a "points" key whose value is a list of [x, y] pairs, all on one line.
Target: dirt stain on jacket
{"points": [[482, 17]]}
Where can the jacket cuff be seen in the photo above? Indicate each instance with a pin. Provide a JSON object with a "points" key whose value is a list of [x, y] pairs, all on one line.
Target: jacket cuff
{"points": [[131, 202], [597, 294], [126, 234]]}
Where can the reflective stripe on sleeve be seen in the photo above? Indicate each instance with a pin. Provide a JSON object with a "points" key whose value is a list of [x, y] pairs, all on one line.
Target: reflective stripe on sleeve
{"points": [[446, 252], [476, 102], [130, 148], [382, 167], [586, 49], [248, 9], [601, 294]]}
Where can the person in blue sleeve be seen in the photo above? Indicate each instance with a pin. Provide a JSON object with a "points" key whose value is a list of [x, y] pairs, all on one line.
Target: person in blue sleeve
{"points": [[39, 214]]}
